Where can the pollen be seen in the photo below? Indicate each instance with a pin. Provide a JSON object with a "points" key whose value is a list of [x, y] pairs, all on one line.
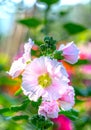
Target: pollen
{"points": [[44, 80]]}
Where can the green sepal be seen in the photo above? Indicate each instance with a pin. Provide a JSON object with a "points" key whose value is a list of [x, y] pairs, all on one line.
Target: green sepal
{"points": [[58, 55]]}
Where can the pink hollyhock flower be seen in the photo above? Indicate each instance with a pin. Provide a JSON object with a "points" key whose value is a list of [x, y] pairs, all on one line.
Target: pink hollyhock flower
{"points": [[44, 77], [49, 109], [70, 52], [19, 65], [62, 123], [66, 101]]}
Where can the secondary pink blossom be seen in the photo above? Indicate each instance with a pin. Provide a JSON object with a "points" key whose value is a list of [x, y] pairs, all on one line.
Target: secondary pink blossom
{"points": [[27, 48], [44, 77], [49, 109], [19, 65], [62, 123], [16, 68], [70, 52], [66, 101]]}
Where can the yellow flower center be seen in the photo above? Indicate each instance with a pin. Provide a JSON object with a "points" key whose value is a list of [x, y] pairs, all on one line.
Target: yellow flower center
{"points": [[44, 80]]}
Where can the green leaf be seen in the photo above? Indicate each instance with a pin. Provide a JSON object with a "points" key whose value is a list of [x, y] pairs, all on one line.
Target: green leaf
{"points": [[82, 62], [36, 104], [49, 2], [20, 107], [7, 100], [15, 108], [5, 80], [64, 12], [78, 101], [3, 110], [72, 114], [16, 118], [40, 122], [84, 120], [80, 92], [20, 117], [83, 92], [74, 28], [47, 124], [30, 22]]}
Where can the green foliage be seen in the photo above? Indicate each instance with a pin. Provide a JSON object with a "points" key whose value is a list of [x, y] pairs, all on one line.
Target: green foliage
{"points": [[63, 13], [7, 100], [49, 2], [4, 80], [85, 120], [72, 114], [82, 62], [4, 110], [20, 117], [30, 22], [58, 55], [74, 28], [40, 122], [36, 104], [83, 92], [16, 118], [15, 108], [48, 47]]}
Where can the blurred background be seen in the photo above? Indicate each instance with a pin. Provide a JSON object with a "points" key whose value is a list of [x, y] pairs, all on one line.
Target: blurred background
{"points": [[65, 21]]}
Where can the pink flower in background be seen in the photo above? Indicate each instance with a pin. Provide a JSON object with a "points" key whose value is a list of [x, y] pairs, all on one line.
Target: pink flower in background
{"points": [[85, 51], [66, 102], [70, 52], [44, 77], [62, 123], [86, 69], [19, 65], [49, 109]]}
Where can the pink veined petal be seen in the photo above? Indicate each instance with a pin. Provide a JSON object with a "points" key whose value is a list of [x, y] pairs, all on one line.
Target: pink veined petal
{"points": [[37, 68], [49, 109], [55, 90], [27, 49], [16, 68], [67, 99], [70, 52], [72, 59], [19, 65]]}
